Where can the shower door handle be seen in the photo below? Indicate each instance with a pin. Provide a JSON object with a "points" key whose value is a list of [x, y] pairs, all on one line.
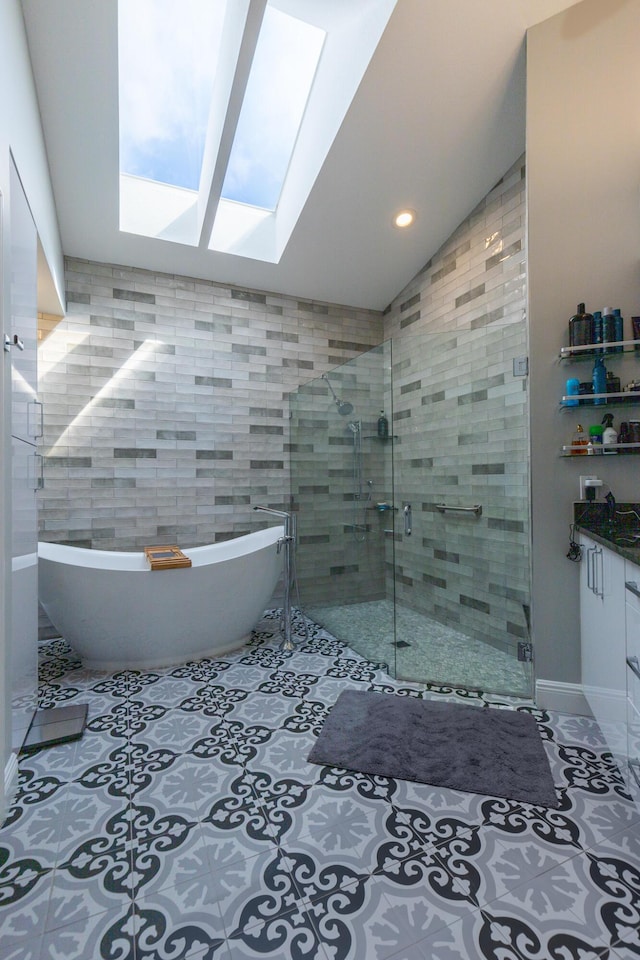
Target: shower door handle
{"points": [[406, 509]]}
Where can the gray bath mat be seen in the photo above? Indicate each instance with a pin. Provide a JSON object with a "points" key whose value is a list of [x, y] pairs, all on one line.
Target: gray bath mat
{"points": [[477, 749]]}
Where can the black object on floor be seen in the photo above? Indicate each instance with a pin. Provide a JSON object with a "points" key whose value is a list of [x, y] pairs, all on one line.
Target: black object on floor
{"points": [[55, 725], [478, 749]]}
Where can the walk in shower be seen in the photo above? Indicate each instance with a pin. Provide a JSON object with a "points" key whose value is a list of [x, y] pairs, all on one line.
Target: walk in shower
{"points": [[414, 547]]}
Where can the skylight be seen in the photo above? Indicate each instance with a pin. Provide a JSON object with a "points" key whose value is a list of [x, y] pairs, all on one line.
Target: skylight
{"points": [[228, 109], [282, 72], [168, 55]]}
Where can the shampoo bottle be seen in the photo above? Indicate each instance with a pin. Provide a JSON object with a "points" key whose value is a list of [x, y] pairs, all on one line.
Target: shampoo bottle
{"points": [[618, 329], [383, 426], [599, 381], [581, 328]]}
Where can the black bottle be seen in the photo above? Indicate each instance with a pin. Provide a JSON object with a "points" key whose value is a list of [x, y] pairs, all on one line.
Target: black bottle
{"points": [[581, 328], [624, 436], [383, 426]]}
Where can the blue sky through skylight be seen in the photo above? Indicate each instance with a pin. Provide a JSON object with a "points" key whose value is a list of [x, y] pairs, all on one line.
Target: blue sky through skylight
{"points": [[282, 73], [168, 54]]}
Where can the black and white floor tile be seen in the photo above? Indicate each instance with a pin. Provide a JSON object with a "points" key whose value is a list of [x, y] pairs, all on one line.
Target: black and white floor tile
{"points": [[187, 824]]}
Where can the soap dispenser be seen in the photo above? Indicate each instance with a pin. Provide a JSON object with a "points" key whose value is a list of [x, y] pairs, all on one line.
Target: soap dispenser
{"points": [[609, 435]]}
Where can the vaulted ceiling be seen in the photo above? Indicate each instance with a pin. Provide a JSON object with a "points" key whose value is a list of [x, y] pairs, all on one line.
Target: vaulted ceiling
{"points": [[437, 119]]}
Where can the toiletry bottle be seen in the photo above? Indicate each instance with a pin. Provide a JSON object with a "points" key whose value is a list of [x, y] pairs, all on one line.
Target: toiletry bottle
{"points": [[624, 437], [579, 442], [573, 389], [597, 328], [581, 328], [599, 381], [610, 435], [618, 329], [608, 327], [383, 426], [613, 385], [594, 444], [635, 332]]}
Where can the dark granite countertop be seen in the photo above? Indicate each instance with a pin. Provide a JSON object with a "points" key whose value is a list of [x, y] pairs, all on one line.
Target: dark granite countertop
{"points": [[620, 533]]}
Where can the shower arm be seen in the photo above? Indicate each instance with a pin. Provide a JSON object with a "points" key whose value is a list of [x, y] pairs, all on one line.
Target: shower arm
{"points": [[328, 382]]}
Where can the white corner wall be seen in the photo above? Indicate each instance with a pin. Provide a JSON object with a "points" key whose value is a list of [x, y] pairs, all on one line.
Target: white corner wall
{"points": [[583, 176], [21, 135]]}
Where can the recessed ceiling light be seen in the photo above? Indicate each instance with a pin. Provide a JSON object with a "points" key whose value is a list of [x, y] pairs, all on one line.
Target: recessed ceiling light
{"points": [[405, 218]]}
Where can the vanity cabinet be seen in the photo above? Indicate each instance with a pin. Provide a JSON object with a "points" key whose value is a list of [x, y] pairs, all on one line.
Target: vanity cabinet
{"points": [[602, 632], [632, 572], [610, 647]]}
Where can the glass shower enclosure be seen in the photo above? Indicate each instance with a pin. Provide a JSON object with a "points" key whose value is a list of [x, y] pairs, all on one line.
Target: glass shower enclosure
{"points": [[414, 547]]}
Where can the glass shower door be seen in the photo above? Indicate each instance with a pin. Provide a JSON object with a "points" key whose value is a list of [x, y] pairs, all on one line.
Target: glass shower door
{"points": [[342, 491], [461, 574]]}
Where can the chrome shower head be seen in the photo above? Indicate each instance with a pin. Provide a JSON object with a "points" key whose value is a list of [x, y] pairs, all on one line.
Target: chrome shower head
{"points": [[344, 407]]}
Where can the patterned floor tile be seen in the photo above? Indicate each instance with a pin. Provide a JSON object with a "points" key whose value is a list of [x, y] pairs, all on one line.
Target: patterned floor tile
{"points": [[551, 916], [181, 922], [25, 892], [76, 931], [25, 950], [188, 824]]}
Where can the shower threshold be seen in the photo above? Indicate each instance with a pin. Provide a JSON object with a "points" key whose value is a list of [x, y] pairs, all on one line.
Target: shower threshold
{"points": [[425, 650]]}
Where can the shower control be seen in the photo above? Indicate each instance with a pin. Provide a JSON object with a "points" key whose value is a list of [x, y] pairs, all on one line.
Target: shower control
{"points": [[406, 510]]}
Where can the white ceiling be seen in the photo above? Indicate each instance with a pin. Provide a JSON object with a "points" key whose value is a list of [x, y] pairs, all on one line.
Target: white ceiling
{"points": [[436, 121]]}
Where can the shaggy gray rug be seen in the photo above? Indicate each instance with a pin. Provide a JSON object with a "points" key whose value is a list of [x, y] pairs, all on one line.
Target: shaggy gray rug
{"points": [[477, 749]]}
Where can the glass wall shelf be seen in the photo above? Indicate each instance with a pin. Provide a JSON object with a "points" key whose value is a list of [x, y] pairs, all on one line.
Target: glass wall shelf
{"points": [[587, 351], [629, 397], [580, 450]]}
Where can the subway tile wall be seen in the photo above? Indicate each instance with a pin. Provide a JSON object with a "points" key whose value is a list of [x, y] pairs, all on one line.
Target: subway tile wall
{"points": [[339, 472], [166, 410], [461, 419]]}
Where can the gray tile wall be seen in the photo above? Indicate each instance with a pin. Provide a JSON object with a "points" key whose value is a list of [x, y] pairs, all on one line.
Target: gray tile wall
{"points": [[166, 412], [341, 555], [461, 418]]}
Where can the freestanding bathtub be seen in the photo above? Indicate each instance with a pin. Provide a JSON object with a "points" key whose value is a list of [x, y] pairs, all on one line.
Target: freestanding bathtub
{"points": [[116, 612]]}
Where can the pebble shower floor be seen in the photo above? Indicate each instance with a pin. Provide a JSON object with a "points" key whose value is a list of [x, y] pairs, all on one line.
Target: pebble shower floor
{"points": [[187, 823]]}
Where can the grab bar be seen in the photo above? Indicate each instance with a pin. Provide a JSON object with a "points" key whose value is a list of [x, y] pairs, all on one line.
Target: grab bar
{"points": [[445, 507]]}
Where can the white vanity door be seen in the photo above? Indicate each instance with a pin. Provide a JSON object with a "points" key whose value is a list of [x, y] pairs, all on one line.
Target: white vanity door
{"points": [[602, 632]]}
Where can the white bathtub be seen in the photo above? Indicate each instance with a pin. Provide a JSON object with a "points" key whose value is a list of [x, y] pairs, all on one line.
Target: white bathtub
{"points": [[116, 612]]}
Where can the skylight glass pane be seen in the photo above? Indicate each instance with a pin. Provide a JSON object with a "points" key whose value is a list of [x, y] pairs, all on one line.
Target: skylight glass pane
{"points": [[279, 84], [168, 54]]}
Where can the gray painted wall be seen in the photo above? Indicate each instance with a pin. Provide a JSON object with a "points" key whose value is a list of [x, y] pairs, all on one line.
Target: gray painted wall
{"points": [[583, 178]]}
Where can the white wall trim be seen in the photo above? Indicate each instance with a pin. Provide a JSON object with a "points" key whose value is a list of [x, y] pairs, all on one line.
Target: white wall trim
{"points": [[562, 697], [10, 784]]}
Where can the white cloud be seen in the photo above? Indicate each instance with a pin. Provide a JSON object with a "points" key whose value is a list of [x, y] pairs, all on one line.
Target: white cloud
{"points": [[167, 59]]}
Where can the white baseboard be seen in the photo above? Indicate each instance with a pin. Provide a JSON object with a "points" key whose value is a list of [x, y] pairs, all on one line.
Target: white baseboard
{"points": [[10, 784], [562, 698]]}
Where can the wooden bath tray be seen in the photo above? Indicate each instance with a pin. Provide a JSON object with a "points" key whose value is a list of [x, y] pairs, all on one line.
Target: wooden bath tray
{"points": [[166, 558]]}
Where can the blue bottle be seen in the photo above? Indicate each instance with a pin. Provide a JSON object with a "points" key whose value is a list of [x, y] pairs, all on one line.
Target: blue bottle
{"points": [[618, 328], [573, 389], [598, 336], [599, 380]]}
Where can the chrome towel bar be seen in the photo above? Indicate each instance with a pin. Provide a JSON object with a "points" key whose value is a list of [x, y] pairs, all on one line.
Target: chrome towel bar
{"points": [[446, 508]]}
